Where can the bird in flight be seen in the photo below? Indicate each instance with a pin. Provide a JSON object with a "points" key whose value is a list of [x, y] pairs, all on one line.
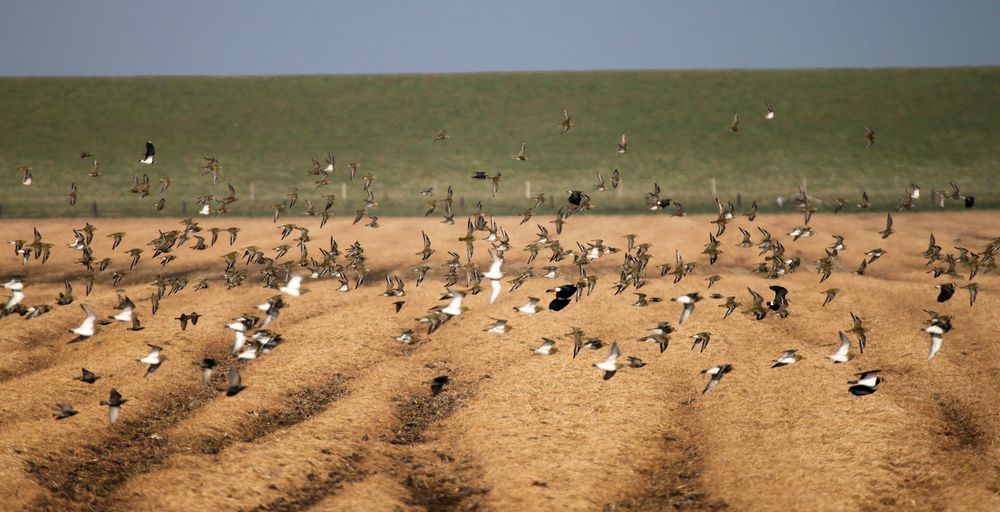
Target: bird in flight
{"points": [[147, 158], [567, 122]]}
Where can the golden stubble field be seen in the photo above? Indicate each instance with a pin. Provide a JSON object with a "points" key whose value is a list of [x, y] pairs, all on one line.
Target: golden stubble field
{"points": [[340, 416]]}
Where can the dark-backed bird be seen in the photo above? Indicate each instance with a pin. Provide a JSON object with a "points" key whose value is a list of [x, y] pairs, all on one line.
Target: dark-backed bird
{"points": [[87, 376], [235, 384], [946, 292], [438, 383], [64, 410], [716, 373], [688, 300], [114, 404], [185, 318], [147, 158], [866, 384], [207, 366]]}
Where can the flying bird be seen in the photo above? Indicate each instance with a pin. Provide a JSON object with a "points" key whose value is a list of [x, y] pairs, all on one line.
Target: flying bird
{"points": [[866, 384], [114, 404], [688, 300], [610, 365], [841, 355], [86, 328], [147, 158], [716, 373], [235, 384], [787, 358]]}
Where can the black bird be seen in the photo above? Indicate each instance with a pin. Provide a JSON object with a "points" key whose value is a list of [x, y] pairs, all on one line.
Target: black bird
{"points": [[234, 382], [780, 300], [577, 198], [947, 290], [185, 318], [87, 376], [563, 295], [437, 385]]}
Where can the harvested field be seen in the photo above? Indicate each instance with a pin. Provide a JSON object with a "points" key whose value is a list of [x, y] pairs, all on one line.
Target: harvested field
{"points": [[340, 416]]}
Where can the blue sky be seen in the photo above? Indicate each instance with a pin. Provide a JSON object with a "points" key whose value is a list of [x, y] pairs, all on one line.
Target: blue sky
{"points": [[254, 37]]}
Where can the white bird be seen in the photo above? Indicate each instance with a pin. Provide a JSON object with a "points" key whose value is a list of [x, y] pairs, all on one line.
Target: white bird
{"points": [[86, 328], [841, 356], [494, 271], [498, 327], [127, 306], [405, 337], [770, 111], [294, 286], [454, 308], [548, 347], [153, 359], [16, 294], [689, 301], [531, 307], [787, 358], [610, 365], [205, 210], [249, 353]]}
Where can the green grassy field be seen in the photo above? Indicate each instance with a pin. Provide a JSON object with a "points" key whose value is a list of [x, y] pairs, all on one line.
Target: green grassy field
{"points": [[932, 125]]}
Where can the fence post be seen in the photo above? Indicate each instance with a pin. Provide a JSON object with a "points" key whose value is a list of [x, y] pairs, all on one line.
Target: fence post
{"points": [[621, 189], [527, 189], [343, 191], [184, 207], [804, 186], [714, 193], [253, 191], [93, 208]]}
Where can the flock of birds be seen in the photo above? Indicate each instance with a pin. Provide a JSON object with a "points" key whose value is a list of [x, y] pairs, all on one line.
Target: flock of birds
{"points": [[253, 336]]}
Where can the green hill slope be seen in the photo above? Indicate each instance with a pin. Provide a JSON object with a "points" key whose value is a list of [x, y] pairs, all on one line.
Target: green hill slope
{"points": [[932, 125]]}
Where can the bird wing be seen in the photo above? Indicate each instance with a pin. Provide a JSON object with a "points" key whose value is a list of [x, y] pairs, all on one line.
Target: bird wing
{"points": [[845, 344], [234, 376], [936, 339], [494, 290], [688, 309]]}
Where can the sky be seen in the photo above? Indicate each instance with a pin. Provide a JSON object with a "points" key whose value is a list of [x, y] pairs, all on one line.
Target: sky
{"points": [[258, 37]]}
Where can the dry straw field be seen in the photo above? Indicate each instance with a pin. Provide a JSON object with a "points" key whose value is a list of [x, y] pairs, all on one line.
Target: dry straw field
{"points": [[341, 417]]}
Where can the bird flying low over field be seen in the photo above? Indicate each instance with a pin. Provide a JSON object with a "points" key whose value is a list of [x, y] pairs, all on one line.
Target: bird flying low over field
{"points": [[147, 158]]}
